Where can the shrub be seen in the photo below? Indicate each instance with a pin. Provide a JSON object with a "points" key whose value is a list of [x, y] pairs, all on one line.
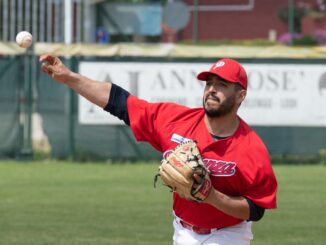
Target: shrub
{"points": [[305, 41]]}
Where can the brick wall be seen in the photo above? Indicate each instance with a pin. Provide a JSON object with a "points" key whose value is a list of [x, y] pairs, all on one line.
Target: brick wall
{"points": [[257, 23]]}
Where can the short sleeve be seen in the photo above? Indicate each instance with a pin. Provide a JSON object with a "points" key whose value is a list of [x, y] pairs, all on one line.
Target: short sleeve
{"points": [[262, 184], [149, 121], [155, 123]]}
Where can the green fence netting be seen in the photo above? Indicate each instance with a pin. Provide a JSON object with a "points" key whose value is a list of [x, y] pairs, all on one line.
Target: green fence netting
{"points": [[91, 141], [11, 98], [100, 142]]}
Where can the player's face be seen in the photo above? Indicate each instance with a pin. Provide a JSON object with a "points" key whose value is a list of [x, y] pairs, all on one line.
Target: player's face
{"points": [[220, 97]]}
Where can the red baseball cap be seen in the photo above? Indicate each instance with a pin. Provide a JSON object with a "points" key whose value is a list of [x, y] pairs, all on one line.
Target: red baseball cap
{"points": [[229, 70]]}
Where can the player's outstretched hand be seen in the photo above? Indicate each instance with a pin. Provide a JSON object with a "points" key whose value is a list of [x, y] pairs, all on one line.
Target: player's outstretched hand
{"points": [[54, 67]]}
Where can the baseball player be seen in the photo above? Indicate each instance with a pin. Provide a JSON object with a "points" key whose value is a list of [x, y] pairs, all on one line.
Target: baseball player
{"points": [[242, 179]]}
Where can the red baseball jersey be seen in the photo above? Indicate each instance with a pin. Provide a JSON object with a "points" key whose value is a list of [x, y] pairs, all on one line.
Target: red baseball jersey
{"points": [[239, 165]]}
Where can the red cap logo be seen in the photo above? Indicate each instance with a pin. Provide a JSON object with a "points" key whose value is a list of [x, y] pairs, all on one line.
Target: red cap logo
{"points": [[218, 64]]}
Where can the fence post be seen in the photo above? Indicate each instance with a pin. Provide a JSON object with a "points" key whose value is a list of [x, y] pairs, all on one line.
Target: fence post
{"points": [[70, 107], [71, 117], [27, 147]]}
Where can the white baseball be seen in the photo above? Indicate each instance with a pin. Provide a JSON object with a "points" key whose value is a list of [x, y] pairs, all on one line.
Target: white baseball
{"points": [[24, 39]]}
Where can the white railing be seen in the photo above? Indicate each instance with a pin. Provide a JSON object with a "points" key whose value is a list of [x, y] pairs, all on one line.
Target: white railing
{"points": [[44, 19]]}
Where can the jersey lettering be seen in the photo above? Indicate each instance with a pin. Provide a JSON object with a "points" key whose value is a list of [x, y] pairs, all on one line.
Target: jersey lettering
{"points": [[219, 167]]}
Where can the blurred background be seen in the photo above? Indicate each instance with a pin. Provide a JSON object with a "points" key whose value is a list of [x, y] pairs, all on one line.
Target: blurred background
{"points": [[51, 192], [154, 48]]}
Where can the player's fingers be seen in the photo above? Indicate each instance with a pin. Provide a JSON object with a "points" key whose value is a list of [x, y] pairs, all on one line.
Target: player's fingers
{"points": [[197, 178], [45, 68], [47, 58], [49, 63]]}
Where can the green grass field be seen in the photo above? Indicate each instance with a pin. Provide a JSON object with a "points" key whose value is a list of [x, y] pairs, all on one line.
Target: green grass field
{"points": [[70, 203]]}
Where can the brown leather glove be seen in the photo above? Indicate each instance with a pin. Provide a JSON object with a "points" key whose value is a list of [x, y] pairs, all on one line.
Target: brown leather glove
{"points": [[178, 169]]}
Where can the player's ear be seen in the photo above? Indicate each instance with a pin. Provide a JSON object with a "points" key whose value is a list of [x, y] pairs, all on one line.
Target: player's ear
{"points": [[241, 95]]}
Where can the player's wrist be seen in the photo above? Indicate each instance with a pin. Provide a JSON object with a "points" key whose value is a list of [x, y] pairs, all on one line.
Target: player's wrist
{"points": [[211, 197], [71, 78]]}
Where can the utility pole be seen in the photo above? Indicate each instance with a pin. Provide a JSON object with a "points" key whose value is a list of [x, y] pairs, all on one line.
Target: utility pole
{"points": [[195, 23], [291, 21]]}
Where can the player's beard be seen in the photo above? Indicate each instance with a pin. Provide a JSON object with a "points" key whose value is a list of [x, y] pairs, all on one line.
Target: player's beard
{"points": [[222, 109]]}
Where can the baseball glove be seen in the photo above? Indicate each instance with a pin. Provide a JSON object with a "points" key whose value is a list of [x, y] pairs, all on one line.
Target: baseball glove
{"points": [[177, 171]]}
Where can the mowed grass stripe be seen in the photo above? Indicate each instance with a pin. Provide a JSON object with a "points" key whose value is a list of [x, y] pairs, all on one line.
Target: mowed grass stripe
{"points": [[82, 204], [71, 203]]}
